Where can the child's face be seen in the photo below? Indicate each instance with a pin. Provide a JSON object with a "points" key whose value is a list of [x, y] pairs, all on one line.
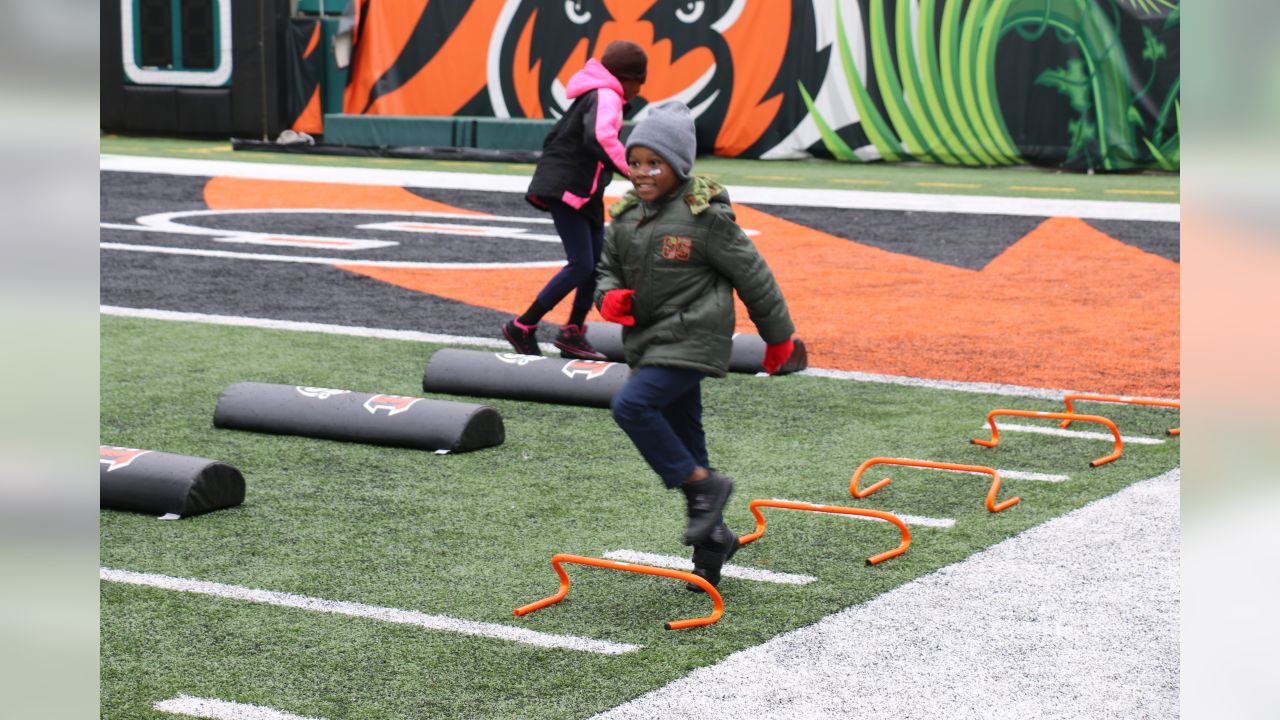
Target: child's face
{"points": [[650, 174], [630, 89]]}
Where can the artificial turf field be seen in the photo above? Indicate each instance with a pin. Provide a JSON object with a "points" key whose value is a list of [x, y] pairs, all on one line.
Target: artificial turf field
{"points": [[469, 536]]}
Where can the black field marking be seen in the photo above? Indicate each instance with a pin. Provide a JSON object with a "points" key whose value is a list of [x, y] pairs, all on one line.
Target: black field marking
{"points": [[125, 196], [967, 241], [1155, 237], [285, 291], [493, 203]]}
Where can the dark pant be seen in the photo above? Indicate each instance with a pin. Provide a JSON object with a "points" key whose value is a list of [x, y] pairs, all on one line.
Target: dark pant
{"points": [[583, 242], [660, 409]]}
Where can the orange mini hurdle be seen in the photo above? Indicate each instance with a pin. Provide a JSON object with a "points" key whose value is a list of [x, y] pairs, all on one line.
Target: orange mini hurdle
{"points": [[1177, 405], [559, 558], [1071, 417], [992, 505], [810, 507]]}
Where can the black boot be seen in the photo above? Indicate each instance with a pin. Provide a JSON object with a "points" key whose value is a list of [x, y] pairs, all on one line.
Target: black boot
{"points": [[706, 499], [710, 556]]}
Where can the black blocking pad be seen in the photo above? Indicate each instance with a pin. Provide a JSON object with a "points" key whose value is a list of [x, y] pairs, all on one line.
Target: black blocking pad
{"points": [[524, 377], [747, 355], [334, 414], [164, 483]]}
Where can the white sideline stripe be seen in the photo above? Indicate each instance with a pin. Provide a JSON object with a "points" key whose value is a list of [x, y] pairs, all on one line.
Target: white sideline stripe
{"points": [[733, 571], [908, 519], [1081, 434], [298, 326], [373, 612], [1023, 475], [749, 194], [216, 709], [957, 385], [415, 336], [231, 255]]}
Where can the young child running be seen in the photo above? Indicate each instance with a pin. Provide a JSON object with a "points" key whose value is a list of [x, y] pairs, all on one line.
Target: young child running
{"points": [[579, 156], [673, 257]]}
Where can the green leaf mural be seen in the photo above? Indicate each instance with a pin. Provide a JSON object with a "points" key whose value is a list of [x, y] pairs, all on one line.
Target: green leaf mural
{"points": [[933, 64], [1071, 81]]}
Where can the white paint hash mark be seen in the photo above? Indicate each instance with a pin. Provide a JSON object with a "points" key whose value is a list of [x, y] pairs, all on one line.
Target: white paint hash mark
{"points": [[941, 523], [385, 614], [215, 709], [734, 571], [1024, 475], [908, 519], [1079, 434]]}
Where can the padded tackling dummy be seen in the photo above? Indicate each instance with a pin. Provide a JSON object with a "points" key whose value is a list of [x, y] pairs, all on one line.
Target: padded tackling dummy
{"points": [[333, 414], [164, 483], [524, 377], [747, 355]]}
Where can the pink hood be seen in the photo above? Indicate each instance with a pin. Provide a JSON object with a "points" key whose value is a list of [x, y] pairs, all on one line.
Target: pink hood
{"points": [[593, 76]]}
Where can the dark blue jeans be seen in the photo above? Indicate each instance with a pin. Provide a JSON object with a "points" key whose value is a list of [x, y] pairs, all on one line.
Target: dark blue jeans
{"points": [[660, 409], [583, 242]]}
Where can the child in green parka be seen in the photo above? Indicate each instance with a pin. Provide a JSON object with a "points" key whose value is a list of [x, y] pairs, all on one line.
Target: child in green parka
{"points": [[673, 257]]}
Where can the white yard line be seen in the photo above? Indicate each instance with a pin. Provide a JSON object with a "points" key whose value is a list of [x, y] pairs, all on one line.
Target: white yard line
{"points": [[215, 709], [734, 571], [1074, 618], [752, 195], [1079, 434], [414, 336], [296, 326], [373, 612]]}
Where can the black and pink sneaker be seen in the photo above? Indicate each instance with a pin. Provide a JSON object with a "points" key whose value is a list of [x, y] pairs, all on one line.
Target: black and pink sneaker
{"points": [[525, 341], [572, 342]]}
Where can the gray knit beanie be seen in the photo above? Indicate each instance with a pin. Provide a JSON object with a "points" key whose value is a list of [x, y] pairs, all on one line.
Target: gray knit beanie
{"points": [[667, 129]]}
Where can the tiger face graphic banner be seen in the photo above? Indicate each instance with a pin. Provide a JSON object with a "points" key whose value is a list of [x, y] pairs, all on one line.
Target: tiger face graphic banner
{"points": [[944, 81]]}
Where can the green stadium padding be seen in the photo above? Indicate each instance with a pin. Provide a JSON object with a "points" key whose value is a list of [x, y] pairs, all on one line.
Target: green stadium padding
{"points": [[511, 133], [388, 130]]}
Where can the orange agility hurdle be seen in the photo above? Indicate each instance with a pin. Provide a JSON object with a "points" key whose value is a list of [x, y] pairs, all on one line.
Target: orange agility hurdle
{"points": [[1177, 405], [790, 505], [559, 558], [992, 505], [1072, 417]]}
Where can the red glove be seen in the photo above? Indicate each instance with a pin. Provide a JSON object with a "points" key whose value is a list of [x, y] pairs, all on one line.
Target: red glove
{"points": [[777, 354], [616, 307]]}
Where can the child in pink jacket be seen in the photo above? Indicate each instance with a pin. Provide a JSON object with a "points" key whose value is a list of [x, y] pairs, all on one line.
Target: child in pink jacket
{"points": [[579, 157]]}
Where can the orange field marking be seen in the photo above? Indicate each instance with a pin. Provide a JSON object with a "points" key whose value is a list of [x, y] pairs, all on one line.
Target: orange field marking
{"points": [[992, 492], [559, 558], [861, 308]]}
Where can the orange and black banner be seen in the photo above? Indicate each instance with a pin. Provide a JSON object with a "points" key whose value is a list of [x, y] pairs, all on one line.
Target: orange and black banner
{"points": [[306, 72], [1079, 83]]}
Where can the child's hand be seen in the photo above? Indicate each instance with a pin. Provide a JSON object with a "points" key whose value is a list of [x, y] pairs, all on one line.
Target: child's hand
{"points": [[777, 354], [616, 307]]}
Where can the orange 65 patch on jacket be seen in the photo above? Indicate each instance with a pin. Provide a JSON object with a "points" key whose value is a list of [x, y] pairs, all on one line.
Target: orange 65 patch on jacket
{"points": [[676, 248]]}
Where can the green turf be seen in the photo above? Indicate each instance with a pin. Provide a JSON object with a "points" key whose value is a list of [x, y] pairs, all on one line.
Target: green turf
{"points": [[1021, 181], [470, 535]]}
